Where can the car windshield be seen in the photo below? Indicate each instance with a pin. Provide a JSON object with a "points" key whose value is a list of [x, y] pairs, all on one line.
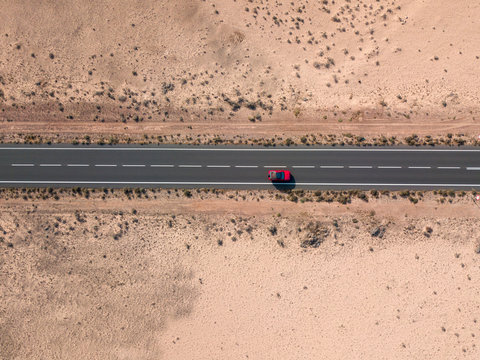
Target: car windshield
{"points": [[276, 175]]}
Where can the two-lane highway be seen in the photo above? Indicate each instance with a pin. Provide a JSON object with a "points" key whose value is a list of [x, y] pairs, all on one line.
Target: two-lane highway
{"points": [[239, 167]]}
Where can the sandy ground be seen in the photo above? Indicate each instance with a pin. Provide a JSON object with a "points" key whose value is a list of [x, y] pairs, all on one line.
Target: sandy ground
{"points": [[178, 278], [210, 277], [245, 68]]}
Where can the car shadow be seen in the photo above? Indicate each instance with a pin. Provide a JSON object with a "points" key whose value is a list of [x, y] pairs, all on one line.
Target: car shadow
{"points": [[285, 186]]}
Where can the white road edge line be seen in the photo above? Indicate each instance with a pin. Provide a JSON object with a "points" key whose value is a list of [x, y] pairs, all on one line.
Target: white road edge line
{"points": [[303, 166], [473, 168], [218, 166], [389, 167], [449, 167], [133, 165], [78, 165], [189, 166], [155, 165], [360, 167], [331, 167], [224, 183], [17, 165], [419, 167], [246, 166], [49, 165], [105, 165], [230, 149]]}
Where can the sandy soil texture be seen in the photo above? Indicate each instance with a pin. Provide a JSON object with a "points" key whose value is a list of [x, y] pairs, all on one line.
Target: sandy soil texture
{"points": [[239, 68], [179, 278]]}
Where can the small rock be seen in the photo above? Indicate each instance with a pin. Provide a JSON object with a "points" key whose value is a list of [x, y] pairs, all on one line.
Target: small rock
{"points": [[427, 231], [314, 242], [477, 249], [379, 231]]}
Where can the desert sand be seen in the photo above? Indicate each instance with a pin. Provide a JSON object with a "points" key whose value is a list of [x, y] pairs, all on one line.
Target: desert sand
{"points": [[189, 278], [236, 275], [238, 68]]}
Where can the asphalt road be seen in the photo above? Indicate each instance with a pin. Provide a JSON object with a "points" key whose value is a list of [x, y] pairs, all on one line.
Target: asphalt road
{"points": [[239, 167]]}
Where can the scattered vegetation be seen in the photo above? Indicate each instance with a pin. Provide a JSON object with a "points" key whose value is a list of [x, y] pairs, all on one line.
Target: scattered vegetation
{"points": [[343, 197], [347, 139], [315, 235]]}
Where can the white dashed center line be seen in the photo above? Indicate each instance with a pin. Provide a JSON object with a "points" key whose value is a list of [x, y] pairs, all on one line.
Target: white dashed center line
{"points": [[471, 168]]}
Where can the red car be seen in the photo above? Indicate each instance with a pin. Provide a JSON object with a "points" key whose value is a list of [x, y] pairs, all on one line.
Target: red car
{"points": [[279, 175]]}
